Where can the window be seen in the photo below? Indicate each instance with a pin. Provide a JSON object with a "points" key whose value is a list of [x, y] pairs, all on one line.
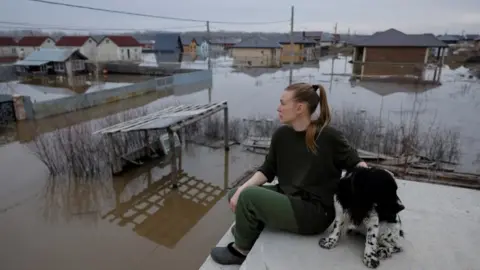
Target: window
{"points": [[89, 41], [13, 50], [78, 65], [107, 41], [59, 67]]}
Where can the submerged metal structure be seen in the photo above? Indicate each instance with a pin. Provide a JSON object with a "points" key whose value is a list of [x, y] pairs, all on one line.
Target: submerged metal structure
{"points": [[168, 122]]}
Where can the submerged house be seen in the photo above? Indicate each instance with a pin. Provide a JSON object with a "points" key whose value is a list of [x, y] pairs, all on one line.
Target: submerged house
{"points": [[257, 52], [52, 61], [189, 44], [303, 49], [202, 46], [168, 43], [393, 53]]}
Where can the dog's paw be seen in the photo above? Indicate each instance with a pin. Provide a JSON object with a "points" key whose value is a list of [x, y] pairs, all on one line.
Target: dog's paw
{"points": [[371, 261], [397, 249], [384, 252], [327, 242]]}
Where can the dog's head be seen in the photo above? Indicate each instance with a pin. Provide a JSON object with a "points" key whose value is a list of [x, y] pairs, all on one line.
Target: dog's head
{"points": [[374, 186]]}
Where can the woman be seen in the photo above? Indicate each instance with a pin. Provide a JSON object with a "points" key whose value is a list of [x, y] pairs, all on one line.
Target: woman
{"points": [[307, 156]]}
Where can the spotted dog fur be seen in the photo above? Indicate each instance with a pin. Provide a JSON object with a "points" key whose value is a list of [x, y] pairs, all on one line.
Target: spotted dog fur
{"points": [[367, 202]]}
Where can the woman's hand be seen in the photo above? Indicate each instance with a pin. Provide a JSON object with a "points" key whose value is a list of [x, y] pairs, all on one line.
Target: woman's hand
{"points": [[362, 164], [234, 199]]}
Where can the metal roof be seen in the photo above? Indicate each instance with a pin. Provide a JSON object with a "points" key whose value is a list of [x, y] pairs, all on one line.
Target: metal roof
{"points": [[298, 38], [395, 38], [173, 118], [258, 42], [31, 63], [50, 55]]}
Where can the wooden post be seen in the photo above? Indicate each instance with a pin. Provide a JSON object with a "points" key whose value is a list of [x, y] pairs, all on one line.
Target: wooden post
{"points": [[226, 129], [436, 68], [441, 65], [173, 156]]}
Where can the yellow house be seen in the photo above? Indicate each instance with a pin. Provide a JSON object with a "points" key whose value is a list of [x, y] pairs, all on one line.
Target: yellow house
{"points": [[189, 45], [303, 50], [257, 52]]}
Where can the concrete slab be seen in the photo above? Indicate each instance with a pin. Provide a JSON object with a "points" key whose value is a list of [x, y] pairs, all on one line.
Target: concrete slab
{"points": [[441, 226]]}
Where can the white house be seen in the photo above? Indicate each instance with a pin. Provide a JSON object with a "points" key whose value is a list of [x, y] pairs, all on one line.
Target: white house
{"points": [[85, 44], [8, 47], [27, 45], [119, 48]]}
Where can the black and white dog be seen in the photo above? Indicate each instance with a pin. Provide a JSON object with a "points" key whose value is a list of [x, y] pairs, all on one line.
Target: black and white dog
{"points": [[368, 197]]}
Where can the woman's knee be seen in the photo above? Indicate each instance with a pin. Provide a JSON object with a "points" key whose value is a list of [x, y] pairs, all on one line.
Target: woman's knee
{"points": [[251, 194]]}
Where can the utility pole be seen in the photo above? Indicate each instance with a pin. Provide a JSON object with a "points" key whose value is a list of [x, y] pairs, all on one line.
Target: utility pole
{"points": [[346, 57], [209, 38], [291, 46]]}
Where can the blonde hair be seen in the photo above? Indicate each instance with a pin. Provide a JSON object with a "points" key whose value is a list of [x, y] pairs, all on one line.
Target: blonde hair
{"points": [[304, 92]]}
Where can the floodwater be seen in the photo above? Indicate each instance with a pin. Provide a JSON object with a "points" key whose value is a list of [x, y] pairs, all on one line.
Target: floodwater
{"points": [[452, 106], [135, 221]]}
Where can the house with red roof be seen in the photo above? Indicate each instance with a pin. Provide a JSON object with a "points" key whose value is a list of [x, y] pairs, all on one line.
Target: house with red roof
{"points": [[8, 47], [85, 44], [119, 48], [29, 44]]}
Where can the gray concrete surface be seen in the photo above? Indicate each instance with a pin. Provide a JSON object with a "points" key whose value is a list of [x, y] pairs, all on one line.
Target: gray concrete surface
{"points": [[442, 232]]}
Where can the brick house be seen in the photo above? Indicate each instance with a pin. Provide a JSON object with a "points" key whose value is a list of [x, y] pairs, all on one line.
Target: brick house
{"points": [[27, 45], [85, 44], [393, 53], [119, 48]]}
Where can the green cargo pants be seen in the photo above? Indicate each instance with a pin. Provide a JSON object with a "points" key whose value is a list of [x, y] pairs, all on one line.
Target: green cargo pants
{"points": [[259, 207]]}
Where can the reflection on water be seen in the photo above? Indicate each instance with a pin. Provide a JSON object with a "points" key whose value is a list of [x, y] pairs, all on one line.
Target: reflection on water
{"points": [[162, 214], [79, 199], [53, 87]]}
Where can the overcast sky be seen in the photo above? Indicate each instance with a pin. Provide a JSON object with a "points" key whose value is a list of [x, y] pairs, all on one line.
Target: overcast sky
{"points": [[361, 16]]}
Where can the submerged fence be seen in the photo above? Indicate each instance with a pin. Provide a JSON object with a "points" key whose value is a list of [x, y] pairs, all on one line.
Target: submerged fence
{"points": [[76, 102]]}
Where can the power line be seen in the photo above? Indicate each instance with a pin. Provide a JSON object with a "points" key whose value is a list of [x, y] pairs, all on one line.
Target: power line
{"points": [[149, 15], [26, 25]]}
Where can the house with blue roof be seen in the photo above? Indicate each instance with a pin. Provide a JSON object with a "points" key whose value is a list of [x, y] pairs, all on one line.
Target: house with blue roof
{"points": [[52, 61], [168, 43], [257, 52]]}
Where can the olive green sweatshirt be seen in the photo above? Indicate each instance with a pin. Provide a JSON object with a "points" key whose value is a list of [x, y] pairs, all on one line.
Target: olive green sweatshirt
{"points": [[299, 170]]}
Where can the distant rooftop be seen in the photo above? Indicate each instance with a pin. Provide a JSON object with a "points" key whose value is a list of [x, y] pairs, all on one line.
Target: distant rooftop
{"points": [[32, 41], [7, 41], [298, 38], [395, 38], [123, 41], [258, 42], [74, 41]]}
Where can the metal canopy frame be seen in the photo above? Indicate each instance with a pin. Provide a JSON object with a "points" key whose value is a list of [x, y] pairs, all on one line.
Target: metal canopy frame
{"points": [[172, 119]]}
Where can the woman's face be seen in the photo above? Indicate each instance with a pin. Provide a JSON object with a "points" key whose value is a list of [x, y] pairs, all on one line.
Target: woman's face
{"points": [[289, 109]]}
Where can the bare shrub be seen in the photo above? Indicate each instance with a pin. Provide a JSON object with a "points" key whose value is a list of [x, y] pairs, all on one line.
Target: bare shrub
{"points": [[75, 198]]}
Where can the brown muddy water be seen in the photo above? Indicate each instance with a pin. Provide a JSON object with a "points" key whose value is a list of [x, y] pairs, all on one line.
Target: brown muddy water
{"points": [[135, 221]]}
